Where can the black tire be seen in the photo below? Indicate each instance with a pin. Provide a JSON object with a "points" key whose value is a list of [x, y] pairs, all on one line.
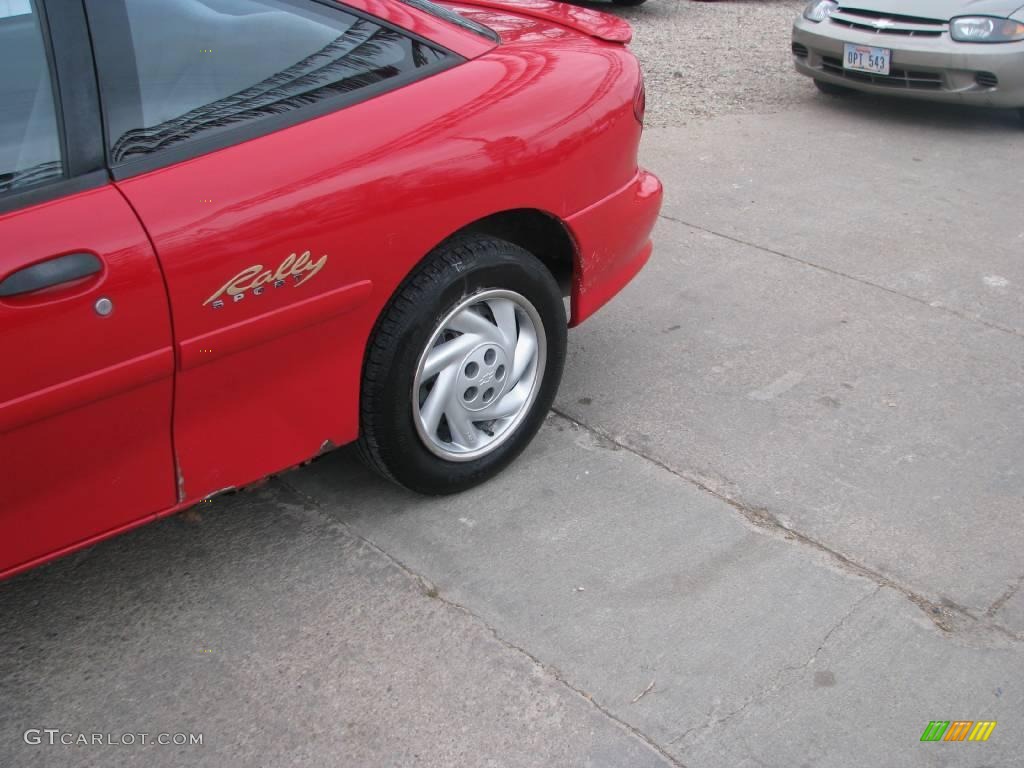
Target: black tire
{"points": [[629, 2], [389, 442], [832, 89], [1020, 114]]}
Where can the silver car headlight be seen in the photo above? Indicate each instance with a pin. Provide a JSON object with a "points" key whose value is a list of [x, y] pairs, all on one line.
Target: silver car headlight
{"points": [[819, 10], [985, 29]]}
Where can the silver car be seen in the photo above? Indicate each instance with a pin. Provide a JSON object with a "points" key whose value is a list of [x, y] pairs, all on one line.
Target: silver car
{"points": [[961, 51]]}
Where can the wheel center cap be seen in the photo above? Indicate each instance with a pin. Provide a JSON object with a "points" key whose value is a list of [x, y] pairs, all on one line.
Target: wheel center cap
{"points": [[482, 377]]}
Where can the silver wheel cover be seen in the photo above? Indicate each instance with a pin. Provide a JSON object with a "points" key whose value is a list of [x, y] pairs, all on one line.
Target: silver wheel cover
{"points": [[479, 375]]}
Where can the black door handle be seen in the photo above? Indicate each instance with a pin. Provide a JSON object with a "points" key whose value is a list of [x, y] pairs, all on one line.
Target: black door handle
{"points": [[46, 274]]}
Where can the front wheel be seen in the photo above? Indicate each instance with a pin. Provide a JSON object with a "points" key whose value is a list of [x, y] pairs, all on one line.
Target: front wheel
{"points": [[463, 366], [629, 2]]}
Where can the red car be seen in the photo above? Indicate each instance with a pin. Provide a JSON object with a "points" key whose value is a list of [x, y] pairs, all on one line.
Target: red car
{"points": [[239, 233]]}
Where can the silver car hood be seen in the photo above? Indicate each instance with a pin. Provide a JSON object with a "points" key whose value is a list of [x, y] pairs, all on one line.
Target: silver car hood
{"points": [[937, 9]]}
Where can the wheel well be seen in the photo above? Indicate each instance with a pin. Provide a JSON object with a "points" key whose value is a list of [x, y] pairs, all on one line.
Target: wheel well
{"points": [[541, 234]]}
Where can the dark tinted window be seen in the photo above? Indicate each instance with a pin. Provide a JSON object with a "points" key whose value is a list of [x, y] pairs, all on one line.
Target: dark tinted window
{"points": [[205, 65], [29, 140]]}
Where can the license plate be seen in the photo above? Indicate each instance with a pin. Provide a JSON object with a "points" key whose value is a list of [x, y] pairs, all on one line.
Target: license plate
{"points": [[864, 58]]}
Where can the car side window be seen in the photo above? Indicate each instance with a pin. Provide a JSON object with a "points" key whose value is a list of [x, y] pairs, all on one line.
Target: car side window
{"points": [[203, 66], [30, 144]]}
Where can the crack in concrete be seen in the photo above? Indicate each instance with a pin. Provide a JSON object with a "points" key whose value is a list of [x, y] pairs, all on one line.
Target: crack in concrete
{"points": [[430, 590], [947, 615], [776, 684], [924, 302], [1004, 598], [839, 625]]}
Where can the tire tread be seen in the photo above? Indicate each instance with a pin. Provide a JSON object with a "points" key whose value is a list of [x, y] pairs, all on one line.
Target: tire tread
{"points": [[397, 312]]}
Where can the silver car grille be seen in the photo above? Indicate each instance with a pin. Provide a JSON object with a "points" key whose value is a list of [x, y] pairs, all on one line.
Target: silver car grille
{"points": [[888, 23], [897, 78]]}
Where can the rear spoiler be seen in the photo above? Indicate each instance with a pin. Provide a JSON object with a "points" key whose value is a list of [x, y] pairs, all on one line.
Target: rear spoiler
{"points": [[603, 26]]}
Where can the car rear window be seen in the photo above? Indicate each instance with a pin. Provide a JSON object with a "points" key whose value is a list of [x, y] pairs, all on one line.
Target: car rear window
{"points": [[201, 66], [454, 18]]}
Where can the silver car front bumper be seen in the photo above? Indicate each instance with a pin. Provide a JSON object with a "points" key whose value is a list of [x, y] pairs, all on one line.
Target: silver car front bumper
{"points": [[932, 68]]}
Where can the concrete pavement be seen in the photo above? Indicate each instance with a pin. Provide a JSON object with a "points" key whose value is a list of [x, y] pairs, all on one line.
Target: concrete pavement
{"points": [[284, 640]]}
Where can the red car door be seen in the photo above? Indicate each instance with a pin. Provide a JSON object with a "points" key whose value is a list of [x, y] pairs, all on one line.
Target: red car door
{"points": [[86, 360], [255, 209]]}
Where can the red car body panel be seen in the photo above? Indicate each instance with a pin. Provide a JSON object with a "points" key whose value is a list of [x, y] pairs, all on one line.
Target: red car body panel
{"points": [[328, 216], [603, 26], [424, 24], [614, 253], [97, 403]]}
